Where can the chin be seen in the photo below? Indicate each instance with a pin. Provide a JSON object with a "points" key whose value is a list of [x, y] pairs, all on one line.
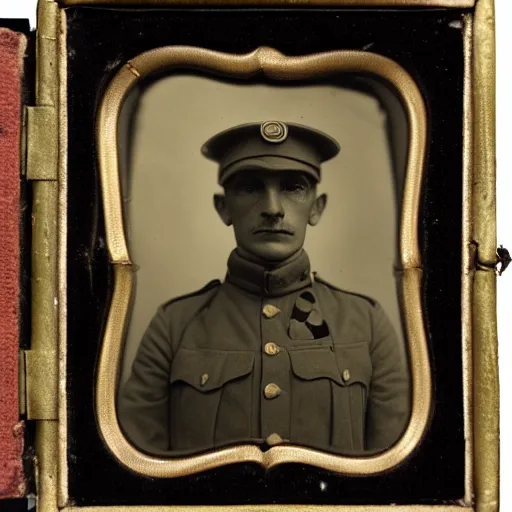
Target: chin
{"points": [[273, 253]]}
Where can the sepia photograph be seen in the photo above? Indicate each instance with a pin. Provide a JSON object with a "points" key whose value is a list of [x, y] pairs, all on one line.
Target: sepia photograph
{"points": [[262, 220]]}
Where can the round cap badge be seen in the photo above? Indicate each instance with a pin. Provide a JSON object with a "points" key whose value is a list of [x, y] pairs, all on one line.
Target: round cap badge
{"points": [[274, 131]]}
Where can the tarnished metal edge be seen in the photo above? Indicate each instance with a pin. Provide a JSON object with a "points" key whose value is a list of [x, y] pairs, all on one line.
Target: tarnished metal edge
{"points": [[457, 4], [467, 258], [46, 474], [46, 53], [484, 322], [44, 265], [484, 97], [41, 142], [41, 380], [275, 508], [44, 250], [41, 395], [62, 261]]}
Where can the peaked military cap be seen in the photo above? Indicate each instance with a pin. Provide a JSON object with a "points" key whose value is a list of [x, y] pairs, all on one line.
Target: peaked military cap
{"points": [[271, 146]]}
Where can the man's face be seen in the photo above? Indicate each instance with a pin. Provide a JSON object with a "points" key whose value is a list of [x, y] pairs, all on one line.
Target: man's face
{"points": [[270, 211]]}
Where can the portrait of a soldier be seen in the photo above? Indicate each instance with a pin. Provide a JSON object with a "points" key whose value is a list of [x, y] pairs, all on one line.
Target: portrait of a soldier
{"points": [[272, 354]]}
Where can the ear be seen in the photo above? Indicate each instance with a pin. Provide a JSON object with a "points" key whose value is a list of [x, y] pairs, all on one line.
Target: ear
{"points": [[317, 209], [219, 201]]}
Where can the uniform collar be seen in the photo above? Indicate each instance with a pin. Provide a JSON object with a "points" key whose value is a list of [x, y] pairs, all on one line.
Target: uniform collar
{"points": [[269, 282]]}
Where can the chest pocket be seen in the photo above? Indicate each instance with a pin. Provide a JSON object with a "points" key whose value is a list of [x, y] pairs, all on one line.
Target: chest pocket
{"points": [[330, 395], [315, 363], [209, 397], [207, 370], [343, 364]]}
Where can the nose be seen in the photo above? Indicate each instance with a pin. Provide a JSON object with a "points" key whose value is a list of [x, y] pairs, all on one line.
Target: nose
{"points": [[272, 203]]}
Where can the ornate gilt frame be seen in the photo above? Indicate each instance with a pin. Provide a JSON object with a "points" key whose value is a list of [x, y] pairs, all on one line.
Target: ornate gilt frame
{"points": [[478, 278], [276, 66]]}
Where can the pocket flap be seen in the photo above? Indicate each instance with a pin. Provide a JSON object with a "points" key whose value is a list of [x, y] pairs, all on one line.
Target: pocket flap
{"points": [[315, 363], [354, 363], [207, 370]]}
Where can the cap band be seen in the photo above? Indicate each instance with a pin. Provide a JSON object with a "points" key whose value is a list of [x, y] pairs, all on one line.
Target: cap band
{"points": [[270, 164]]}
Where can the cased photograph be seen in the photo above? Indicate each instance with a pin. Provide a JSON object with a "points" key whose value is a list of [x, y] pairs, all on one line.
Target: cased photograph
{"points": [[261, 257]]}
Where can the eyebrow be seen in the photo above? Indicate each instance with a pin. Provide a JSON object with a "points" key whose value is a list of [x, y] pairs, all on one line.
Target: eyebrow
{"points": [[256, 174]]}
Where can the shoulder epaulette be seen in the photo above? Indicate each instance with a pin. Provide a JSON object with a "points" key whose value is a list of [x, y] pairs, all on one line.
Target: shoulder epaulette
{"points": [[209, 286], [318, 279]]}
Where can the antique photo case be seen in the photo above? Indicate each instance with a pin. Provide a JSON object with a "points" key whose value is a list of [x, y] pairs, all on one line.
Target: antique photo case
{"points": [[272, 274]]}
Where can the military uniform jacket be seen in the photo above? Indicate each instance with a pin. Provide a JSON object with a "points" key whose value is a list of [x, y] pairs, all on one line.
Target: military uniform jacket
{"points": [[267, 356]]}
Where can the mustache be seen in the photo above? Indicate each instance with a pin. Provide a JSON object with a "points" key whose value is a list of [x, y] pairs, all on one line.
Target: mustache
{"points": [[274, 228]]}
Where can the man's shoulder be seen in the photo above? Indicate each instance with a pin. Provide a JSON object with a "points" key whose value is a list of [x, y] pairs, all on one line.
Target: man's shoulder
{"points": [[343, 295], [193, 300]]}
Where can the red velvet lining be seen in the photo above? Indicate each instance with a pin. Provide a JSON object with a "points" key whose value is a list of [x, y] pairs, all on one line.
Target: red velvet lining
{"points": [[12, 48]]}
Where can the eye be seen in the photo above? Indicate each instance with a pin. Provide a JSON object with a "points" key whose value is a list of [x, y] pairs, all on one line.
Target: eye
{"points": [[247, 186], [294, 186]]}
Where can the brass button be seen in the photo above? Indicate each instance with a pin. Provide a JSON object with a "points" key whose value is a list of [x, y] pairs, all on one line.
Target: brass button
{"points": [[204, 379], [270, 311], [274, 439], [346, 375], [271, 391], [271, 349]]}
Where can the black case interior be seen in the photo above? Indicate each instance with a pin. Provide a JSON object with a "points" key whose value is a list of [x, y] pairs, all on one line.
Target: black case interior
{"points": [[430, 47]]}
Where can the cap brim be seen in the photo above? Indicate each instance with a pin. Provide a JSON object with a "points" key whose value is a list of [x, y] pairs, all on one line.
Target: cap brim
{"points": [[268, 163]]}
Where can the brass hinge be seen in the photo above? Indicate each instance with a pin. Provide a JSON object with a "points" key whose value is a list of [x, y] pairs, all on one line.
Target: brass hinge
{"points": [[38, 384], [41, 143], [38, 366]]}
